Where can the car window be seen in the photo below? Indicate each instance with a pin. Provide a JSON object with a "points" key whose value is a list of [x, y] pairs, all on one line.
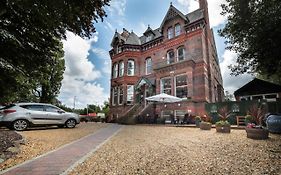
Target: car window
{"points": [[7, 107], [33, 107], [51, 109]]}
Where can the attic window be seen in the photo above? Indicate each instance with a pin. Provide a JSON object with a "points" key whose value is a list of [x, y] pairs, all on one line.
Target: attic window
{"points": [[148, 38], [170, 33], [177, 29]]}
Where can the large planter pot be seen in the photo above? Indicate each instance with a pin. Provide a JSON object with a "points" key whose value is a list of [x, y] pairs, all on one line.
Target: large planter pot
{"points": [[223, 129], [197, 123], [205, 126], [257, 133], [273, 123]]}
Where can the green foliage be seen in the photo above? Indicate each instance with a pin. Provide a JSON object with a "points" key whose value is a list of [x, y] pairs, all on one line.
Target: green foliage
{"points": [[222, 123], [253, 31], [31, 64], [197, 118], [249, 119]]}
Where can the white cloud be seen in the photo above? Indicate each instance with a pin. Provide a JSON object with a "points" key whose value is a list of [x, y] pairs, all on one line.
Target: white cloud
{"points": [[140, 29], [232, 83], [213, 7], [117, 9], [80, 74], [103, 54]]}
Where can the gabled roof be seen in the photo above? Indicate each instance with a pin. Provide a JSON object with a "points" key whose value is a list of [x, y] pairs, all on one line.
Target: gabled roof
{"points": [[156, 32], [133, 39], [195, 15], [171, 13], [258, 86], [118, 37], [148, 30], [144, 80]]}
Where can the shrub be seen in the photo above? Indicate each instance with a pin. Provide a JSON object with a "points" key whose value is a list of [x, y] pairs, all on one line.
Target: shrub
{"points": [[222, 123], [224, 113], [197, 118], [257, 113]]}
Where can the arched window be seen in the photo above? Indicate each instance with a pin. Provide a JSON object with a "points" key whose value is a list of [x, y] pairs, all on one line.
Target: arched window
{"points": [[148, 66], [115, 70], [121, 68], [177, 29], [170, 33], [131, 68], [181, 53], [170, 57]]}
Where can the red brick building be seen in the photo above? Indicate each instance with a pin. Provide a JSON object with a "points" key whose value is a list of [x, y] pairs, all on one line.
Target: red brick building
{"points": [[178, 58]]}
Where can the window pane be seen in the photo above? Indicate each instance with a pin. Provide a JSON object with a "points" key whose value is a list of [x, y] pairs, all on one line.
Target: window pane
{"points": [[181, 54], [181, 86], [177, 30], [130, 94], [170, 33], [35, 107], [115, 95], [166, 86], [115, 70], [148, 65], [170, 57], [121, 69], [121, 95], [131, 67], [51, 109]]}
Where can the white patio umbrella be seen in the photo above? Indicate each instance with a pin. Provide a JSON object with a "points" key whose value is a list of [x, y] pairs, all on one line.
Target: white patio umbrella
{"points": [[165, 98]]}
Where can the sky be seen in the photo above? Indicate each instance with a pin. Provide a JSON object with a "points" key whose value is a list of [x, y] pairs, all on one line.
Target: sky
{"points": [[88, 65]]}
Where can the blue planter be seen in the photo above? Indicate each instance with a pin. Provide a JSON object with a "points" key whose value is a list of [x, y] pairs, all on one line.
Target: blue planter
{"points": [[273, 123]]}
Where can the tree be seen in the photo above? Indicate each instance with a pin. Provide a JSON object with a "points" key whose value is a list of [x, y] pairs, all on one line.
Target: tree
{"points": [[253, 31], [30, 40]]}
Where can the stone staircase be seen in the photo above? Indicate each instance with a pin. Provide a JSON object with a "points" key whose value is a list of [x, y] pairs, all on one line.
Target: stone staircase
{"points": [[130, 117]]}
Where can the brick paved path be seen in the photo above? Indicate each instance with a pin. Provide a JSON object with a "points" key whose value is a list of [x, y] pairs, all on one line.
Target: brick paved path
{"points": [[63, 159]]}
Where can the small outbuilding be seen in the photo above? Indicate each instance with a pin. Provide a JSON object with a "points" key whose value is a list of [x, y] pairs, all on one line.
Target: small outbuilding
{"points": [[258, 89]]}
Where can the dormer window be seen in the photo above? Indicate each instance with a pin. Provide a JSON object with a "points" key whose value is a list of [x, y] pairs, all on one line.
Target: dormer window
{"points": [[170, 33], [119, 49], [177, 29], [148, 38]]}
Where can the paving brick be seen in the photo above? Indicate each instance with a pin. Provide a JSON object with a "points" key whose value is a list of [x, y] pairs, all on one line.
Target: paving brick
{"points": [[60, 160]]}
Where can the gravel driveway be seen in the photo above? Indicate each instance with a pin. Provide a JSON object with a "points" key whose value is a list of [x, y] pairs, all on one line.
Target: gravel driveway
{"points": [[171, 150], [40, 141]]}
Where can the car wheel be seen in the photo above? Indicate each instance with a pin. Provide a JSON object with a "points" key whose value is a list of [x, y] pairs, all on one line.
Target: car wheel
{"points": [[20, 125], [70, 123]]}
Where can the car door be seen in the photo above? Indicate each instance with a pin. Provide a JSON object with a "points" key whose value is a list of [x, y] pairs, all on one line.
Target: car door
{"points": [[36, 113], [54, 114]]}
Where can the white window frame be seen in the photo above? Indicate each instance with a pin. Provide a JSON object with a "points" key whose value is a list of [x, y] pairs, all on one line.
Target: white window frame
{"points": [[133, 68], [177, 30], [119, 90], [162, 85], [130, 100], [121, 68], [114, 103], [168, 57], [181, 47], [148, 68], [115, 70], [175, 84], [170, 32]]}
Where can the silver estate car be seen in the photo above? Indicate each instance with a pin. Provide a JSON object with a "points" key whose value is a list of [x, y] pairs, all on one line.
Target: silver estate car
{"points": [[20, 116]]}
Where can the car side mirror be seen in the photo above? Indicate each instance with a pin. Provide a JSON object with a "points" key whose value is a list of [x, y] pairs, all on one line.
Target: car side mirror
{"points": [[60, 111]]}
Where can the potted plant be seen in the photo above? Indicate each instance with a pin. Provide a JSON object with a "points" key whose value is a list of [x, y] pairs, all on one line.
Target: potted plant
{"points": [[249, 119], [206, 123], [255, 130], [197, 121], [223, 125]]}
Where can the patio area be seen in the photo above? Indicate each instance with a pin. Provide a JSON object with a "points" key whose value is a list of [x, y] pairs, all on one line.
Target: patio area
{"points": [[160, 149]]}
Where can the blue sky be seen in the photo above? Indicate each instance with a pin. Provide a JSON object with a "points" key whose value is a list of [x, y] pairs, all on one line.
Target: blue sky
{"points": [[88, 65]]}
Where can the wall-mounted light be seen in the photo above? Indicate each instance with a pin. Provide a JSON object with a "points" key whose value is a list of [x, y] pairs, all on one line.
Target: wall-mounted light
{"points": [[165, 106], [179, 104]]}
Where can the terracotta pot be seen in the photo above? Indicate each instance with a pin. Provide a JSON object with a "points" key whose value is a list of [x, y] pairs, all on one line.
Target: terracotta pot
{"points": [[223, 129], [257, 133], [205, 126]]}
